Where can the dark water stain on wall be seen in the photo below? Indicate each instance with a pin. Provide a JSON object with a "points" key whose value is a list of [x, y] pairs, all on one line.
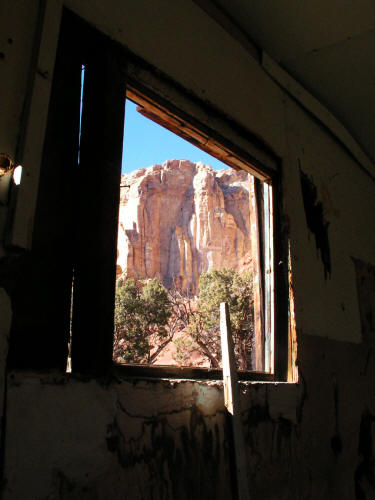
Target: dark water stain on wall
{"points": [[364, 477], [365, 274], [315, 220], [182, 462]]}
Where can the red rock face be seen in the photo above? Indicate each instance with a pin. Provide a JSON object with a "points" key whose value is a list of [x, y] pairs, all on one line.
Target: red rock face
{"points": [[180, 219]]}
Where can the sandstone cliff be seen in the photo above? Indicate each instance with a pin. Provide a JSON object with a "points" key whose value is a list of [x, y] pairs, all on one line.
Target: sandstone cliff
{"points": [[179, 219]]}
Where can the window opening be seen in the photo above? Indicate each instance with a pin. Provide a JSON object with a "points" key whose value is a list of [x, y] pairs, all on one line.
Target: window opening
{"points": [[185, 244]]}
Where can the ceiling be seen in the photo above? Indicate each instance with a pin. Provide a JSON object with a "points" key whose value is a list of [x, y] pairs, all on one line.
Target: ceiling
{"points": [[327, 45]]}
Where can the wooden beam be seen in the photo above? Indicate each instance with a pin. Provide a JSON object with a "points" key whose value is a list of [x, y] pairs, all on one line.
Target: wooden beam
{"points": [[232, 401]]}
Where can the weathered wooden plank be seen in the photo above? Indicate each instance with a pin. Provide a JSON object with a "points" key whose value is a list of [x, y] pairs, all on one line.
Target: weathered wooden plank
{"points": [[198, 135], [281, 287], [268, 278], [257, 354], [232, 401], [41, 319], [98, 184]]}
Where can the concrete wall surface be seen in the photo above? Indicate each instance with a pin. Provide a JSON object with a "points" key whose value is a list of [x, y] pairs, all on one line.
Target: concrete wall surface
{"points": [[67, 438]]}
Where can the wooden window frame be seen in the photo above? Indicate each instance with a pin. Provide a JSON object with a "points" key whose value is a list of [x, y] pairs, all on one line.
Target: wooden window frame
{"points": [[160, 111], [91, 193]]}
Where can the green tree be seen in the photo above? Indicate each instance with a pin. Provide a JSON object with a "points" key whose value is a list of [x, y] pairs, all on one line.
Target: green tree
{"points": [[142, 314], [216, 286], [147, 317]]}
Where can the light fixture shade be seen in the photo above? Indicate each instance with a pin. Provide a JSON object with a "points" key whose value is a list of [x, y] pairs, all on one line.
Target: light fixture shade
{"points": [[17, 174]]}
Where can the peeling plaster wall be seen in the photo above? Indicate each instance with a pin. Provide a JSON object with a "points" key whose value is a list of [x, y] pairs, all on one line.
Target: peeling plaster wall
{"points": [[18, 21], [148, 439], [68, 438], [76, 439]]}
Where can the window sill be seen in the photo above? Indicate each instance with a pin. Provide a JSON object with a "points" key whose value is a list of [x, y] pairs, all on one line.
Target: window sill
{"points": [[186, 373]]}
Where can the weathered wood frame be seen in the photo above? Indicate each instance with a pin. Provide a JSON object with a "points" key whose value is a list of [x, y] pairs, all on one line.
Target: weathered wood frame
{"points": [[110, 69]]}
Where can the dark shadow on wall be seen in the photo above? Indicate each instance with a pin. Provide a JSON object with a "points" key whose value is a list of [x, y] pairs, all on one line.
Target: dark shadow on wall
{"points": [[315, 220], [364, 477]]}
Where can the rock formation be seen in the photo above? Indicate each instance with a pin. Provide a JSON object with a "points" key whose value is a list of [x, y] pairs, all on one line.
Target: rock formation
{"points": [[179, 219]]}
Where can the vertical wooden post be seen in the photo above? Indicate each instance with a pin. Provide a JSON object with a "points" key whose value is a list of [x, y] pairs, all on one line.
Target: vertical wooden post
{"points": [[257, 355], [232, 401], [98, 191], [268, 278]]}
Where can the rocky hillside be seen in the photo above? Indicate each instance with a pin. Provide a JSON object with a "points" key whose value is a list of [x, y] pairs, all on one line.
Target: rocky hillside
{"points": [[180, 219]]}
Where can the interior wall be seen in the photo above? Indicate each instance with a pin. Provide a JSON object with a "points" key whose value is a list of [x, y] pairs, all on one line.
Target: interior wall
{"points": [[70, 438], [18, 22], [196, 52]]}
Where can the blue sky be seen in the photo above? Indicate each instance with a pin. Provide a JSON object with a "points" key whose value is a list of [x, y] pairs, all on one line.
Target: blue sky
{"points": [[146, 143]]}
